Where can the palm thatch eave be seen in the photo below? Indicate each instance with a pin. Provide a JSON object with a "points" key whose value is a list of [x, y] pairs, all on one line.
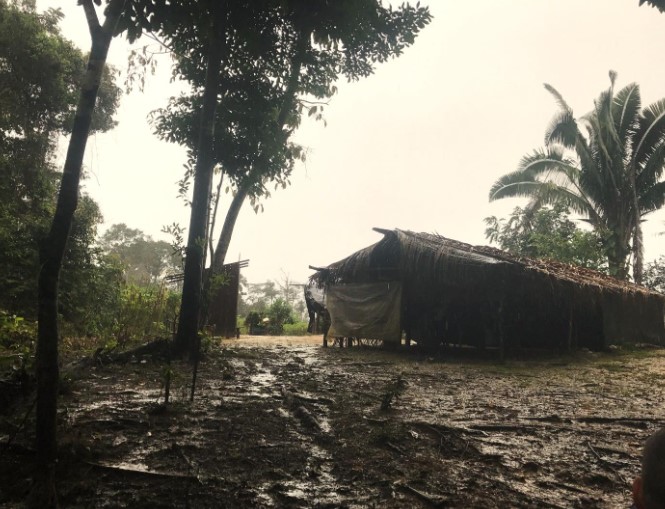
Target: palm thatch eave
{"points": [[415, 257]]}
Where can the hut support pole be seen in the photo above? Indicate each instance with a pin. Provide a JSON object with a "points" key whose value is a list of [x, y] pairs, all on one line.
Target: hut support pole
{"points": [[502, 338], [570, 327]]}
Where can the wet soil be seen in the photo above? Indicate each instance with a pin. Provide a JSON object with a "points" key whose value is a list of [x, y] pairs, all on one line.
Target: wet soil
{"points": [[283, 422]]}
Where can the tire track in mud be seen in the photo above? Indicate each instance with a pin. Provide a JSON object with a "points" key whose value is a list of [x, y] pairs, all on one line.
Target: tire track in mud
{"points": [[309, 427]]}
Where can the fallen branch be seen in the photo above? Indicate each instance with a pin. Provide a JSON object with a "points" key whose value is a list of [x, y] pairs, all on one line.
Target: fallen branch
{"points": [[443, 429], [307, 399], [603, 461], [500, 427], [642, 421], [139, 470], [433, 500], [157, 348], [393, 447], [561, 485], [307, 419]]}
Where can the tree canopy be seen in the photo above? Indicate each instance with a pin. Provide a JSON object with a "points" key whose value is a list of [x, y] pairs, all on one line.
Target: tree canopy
{"points": [[547, 233], [40, 74], [607, 165], [144, 260]]}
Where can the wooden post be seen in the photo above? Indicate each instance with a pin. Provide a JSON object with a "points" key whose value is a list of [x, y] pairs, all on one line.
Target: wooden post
{"points": [[570, 327], [502, 339]]}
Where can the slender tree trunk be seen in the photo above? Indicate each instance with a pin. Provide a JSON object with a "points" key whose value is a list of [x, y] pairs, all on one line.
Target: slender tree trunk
{"points": [[638, 247], [227, 230], [638, 254], [190, 308], [51, 254]]}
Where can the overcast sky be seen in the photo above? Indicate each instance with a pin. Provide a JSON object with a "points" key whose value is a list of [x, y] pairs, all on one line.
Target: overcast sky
{"points": [[416, 146]]}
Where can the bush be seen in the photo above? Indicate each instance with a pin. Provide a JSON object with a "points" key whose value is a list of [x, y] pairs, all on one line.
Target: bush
{"points": [[253, 318], [295, 329], [145, 312], [280, 313], [16, 332]]}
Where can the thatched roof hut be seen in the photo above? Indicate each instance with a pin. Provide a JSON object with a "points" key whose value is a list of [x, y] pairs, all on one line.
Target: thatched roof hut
{"points": [[450, 292]]}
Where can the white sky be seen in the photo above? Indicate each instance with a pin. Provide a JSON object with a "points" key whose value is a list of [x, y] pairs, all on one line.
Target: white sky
{"points": [[416, 146]]}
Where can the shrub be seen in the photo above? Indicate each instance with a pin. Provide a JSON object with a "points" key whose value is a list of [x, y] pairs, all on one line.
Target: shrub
{"points": [[295, 329], [16, 332], [145, 312]]}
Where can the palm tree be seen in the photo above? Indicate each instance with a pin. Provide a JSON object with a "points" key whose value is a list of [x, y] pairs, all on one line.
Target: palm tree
{"points": [[610, 173]]}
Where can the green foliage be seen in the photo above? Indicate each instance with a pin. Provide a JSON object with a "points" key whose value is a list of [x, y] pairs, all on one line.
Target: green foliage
{"points": [[90, 281], [253, 318], [654, 275], [16, 331], [280, 312], [295, 329], [608, 166], [40, 76], [145, 312], [145, 261], [276, 52], [547, 233]]}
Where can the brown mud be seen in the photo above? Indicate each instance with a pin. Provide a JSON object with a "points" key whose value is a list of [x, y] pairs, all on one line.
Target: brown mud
{"points": [[282, 422]]}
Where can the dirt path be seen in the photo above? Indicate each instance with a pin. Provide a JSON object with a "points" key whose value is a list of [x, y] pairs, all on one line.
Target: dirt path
{"points": [[282, 422]]}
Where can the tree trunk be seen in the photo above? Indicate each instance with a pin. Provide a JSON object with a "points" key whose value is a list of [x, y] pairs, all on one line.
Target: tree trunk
{"points": [[638, 247], [227, 230], [190, 308], [617, 259], [638, 254], [51, 254]]}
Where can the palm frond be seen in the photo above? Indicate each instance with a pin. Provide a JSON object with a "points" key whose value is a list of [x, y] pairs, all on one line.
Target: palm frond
{"points": [[652, 170], [651, 131], [627, 104], [546, 164], [550, 193], [603, 160], [558, 97], [562, 129], [652, 198]]}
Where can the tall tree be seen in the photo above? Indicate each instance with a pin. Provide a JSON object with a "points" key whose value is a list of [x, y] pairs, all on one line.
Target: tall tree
{"points": [[609, 170], [278, 51], [40, 75], [53, 249], [143, 259]]}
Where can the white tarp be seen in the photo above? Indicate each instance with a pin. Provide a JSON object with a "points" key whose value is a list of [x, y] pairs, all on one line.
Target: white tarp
{"points": [[317, 294], [367, 310]]}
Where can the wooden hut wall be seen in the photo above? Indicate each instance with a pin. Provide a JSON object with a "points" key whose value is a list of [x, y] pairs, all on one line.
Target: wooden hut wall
{"points": [[544, 312], [224, 303], [633, 318], [524, 309]]}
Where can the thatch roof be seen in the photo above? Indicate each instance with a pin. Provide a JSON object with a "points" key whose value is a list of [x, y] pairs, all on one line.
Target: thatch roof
{"points": [[419, 256]]}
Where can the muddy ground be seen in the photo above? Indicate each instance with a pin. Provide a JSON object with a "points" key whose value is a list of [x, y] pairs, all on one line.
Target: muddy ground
{"points": [[286, 423]]}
